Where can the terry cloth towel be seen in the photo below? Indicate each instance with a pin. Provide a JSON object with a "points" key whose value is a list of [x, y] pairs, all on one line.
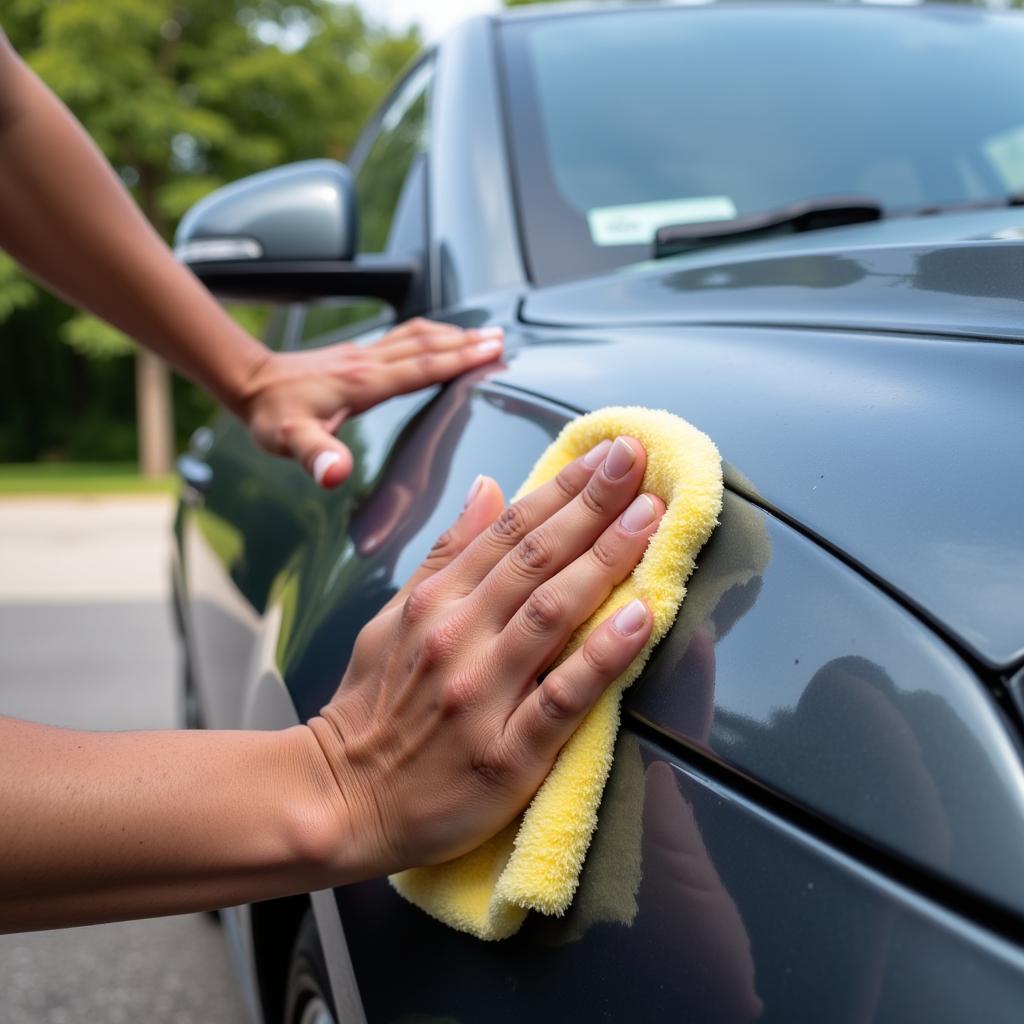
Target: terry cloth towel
{"points": [[535, 863]]}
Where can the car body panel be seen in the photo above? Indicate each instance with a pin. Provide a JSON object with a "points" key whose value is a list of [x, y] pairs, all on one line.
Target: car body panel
{"points": [[786, 665], [905, 453], [825, 691], [740, 917], [972, 289]]}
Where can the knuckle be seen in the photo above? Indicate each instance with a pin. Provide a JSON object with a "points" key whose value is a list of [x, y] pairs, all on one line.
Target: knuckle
{"points": [[605, 553], [443, 550], [568, 482], [558, 702], [426, 363], [418, 604], [593, 500], [440, 641], [459, 693], [533, 552], [510, 525], [600, 657], [490, 767], [544, 610], [358, 371]]}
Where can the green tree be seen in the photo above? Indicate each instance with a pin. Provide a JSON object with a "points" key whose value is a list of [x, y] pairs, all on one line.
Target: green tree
{"points": [[183, 96]]}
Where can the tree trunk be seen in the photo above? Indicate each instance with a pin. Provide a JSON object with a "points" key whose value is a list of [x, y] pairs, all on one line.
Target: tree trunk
{"points": [[154, 411], [153, 414]]}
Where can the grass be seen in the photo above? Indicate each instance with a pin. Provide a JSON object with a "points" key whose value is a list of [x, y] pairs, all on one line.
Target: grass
{"points": [[40, 478]]}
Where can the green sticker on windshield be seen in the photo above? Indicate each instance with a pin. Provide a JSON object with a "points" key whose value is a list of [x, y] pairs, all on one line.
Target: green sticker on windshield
{"points": [[636, 223]]}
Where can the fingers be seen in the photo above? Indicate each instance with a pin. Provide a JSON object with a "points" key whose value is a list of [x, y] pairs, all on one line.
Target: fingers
{"points": [[570, 531], [447, 339], [519, 519], [540, 629], [545, 720], [322, 455], [411, 363], [418, 325], [484, 504]]}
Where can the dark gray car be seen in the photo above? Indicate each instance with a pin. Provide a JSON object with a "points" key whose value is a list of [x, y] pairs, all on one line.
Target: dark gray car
{"points": [[799, 228]]}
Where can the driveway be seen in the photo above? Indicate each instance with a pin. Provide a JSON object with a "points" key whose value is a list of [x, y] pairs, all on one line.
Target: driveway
{"points": [[86, 641]]}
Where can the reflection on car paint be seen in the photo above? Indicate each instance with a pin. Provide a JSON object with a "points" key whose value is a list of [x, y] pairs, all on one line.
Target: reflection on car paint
{"points": [[828, 693]]}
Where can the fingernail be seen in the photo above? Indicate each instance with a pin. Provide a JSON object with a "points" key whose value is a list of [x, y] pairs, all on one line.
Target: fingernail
{"points": [[490, 347], [474, 490], [596, 455], [620, 459], [639, 515], [322, 463], [491, 332], [630, 618]]}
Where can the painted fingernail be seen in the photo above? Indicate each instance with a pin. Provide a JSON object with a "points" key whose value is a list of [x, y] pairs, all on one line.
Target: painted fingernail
{"points": [[322, 463], [620, 459], [630, 618], [474, 490], [596, 455], [639, 515], [489, 347]]}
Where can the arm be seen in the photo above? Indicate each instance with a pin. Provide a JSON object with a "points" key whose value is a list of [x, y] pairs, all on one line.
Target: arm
{"points": [[438, 736], [65, 216]]}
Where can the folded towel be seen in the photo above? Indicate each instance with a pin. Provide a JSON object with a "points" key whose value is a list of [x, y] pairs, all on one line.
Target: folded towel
{"points": [[535, 862], [731, 566]]}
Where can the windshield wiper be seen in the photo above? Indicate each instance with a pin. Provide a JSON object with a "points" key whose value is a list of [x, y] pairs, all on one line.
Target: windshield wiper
{"points": [[806, 215]]}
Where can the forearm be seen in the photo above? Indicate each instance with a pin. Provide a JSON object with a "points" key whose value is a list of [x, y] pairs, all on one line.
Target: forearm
{"points": [[107, 826], [65, 216]]}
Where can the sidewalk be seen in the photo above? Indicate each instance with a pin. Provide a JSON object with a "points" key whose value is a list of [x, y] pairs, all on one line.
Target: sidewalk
{"points": [[86, 641], [85, 624]]}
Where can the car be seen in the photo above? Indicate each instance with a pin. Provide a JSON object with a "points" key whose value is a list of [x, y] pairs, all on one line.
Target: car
{"points": [[800, 227]]}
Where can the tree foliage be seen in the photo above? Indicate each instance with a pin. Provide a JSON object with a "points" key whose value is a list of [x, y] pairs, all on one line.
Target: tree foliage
{"points": [[183, 96]]}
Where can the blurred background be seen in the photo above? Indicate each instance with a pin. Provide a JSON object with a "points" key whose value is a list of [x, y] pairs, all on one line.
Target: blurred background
{"points": [[182, 96]]}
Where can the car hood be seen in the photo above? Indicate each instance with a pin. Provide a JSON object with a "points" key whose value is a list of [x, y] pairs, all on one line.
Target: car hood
{"points": [[865, 405], [959, 274]]}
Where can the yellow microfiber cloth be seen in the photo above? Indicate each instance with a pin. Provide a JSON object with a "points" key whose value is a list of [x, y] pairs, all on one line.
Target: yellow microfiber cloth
{"points": [[535, 863]]}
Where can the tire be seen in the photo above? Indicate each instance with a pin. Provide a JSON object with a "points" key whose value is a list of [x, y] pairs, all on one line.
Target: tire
{"points": [[308, 996]]}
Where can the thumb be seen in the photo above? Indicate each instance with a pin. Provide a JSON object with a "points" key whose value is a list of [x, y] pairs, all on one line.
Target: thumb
{"points": [[322, 455], [484, 504]]}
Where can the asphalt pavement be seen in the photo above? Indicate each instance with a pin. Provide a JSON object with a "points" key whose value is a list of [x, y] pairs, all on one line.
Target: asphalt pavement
{"points": [[86, 641]]}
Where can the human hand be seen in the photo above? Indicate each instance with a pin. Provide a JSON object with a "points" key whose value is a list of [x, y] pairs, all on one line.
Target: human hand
{"points": [[440, 734], [295, 402]]}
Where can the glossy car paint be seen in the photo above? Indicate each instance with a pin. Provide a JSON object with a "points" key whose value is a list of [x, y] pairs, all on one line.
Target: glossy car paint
{"points": [[831, 783], [740, 917], [901, 451]]}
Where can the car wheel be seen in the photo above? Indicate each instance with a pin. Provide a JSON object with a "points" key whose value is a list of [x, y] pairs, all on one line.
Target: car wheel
{"points": [[308, 997]]}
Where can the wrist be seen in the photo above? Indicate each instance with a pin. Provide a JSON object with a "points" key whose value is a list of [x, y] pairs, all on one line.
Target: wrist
{"points": [[240, 380], [332, 832], [316, 823]]}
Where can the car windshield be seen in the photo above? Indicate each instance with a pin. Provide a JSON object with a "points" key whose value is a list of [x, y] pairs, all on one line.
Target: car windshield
{"points": [[623, 122]]}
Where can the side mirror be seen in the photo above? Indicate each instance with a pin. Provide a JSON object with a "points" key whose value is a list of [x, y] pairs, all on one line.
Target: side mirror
{"points": [[290, 235]]}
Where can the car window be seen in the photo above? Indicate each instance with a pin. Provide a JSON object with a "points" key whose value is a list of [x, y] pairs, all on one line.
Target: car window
{"points": [[390, 180], [340, 320], [624, 122], [391, 193]]}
